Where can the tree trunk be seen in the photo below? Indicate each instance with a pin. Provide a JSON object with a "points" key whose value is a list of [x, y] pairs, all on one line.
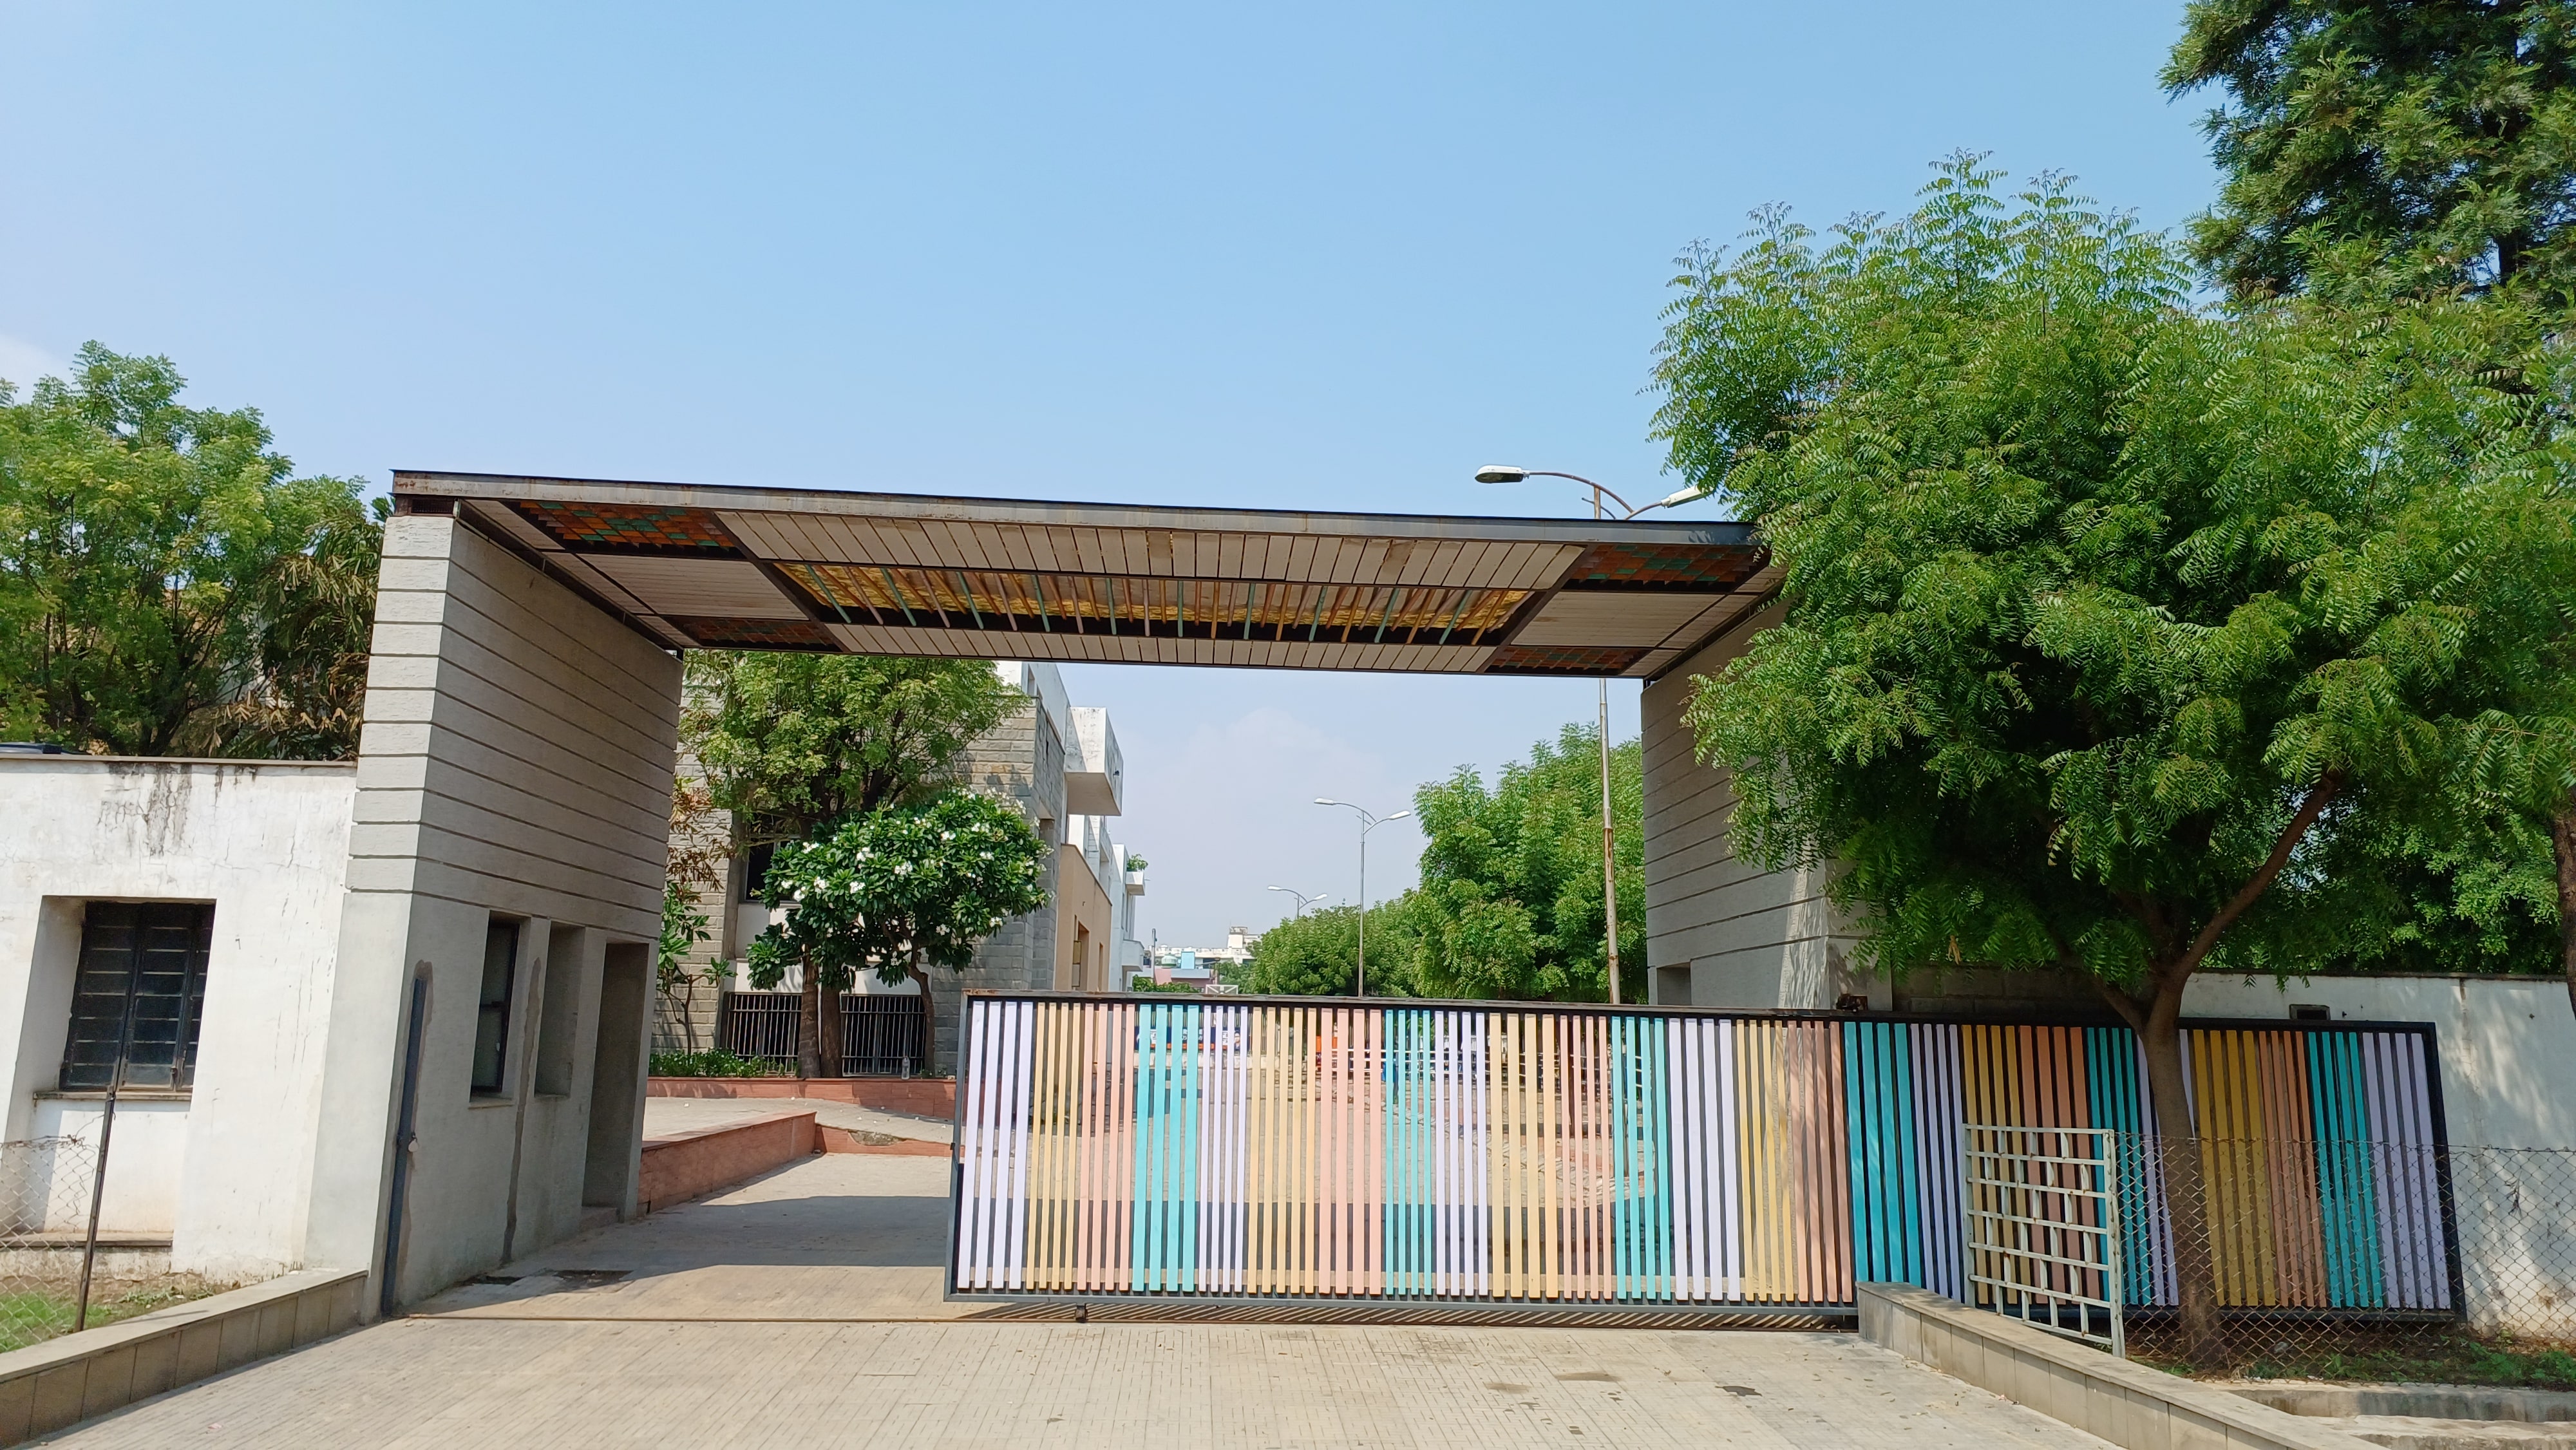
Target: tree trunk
{"points": [[809, 1026], [928, 1066], [2562, 837], [827, 1030], [2178, 1156]]}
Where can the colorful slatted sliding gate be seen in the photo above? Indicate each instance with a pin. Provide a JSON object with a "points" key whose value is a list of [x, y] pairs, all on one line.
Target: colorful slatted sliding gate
{"points": [[1639, 1159]]}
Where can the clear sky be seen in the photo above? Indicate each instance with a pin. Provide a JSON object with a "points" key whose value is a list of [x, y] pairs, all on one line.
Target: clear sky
{"points": [[1325, 255]]}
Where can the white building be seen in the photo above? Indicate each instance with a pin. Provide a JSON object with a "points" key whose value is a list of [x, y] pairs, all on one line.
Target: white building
{"points": [[172, 925]]}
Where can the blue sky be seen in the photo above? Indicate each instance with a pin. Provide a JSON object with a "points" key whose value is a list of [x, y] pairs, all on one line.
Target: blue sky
{"points": [[1327, 256]]}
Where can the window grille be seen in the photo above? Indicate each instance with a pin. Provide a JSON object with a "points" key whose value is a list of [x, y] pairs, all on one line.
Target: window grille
{"points": [[139, 993]]}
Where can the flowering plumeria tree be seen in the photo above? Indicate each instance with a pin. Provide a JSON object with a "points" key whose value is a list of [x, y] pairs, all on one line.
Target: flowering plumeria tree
{"points": [[899, 890]]}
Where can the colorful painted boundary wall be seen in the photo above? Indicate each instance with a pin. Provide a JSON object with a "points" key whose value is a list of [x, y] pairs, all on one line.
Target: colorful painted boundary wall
{"points": [[1490, 1153]]}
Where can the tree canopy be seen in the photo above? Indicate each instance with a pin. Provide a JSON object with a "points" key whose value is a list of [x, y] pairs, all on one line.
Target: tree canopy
{"points": [[792, 743], [897, 889], [1510, 903], [1316, 954], [2425, 146], [168, 586], [2121, 636]]}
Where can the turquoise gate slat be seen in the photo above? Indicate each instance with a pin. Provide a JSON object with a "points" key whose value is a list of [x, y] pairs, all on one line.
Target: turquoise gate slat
{"points": [[2348, 1197], [1888, 1232], [2119, 1101]]}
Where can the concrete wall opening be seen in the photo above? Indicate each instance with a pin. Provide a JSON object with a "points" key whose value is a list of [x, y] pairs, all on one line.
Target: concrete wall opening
{"points": [[559, 1011], [617, 1080]]}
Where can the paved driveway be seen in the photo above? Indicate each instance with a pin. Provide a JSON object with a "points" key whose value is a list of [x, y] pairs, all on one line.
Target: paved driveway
{"points": [[803, 1309]]}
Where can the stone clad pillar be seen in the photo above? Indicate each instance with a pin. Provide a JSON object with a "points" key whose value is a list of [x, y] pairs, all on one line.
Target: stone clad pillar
{"points": [[515, 765]]}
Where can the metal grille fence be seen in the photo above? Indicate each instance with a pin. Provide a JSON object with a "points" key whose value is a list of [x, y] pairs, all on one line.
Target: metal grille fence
{"points": [[2043, 1217], [881, 1032], [1490, 1153]]}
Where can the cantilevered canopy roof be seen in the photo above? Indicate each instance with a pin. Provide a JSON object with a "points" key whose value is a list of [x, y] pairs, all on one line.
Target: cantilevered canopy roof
{"points": [[876, 573]]}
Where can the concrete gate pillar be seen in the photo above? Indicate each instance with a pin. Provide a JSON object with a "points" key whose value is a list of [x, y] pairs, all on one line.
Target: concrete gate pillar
{"points": [[514, 767]]}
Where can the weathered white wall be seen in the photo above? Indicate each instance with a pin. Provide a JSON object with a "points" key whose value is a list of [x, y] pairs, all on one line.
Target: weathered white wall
{"points": [[1728, 934], [222, 1168], [516, 761]]}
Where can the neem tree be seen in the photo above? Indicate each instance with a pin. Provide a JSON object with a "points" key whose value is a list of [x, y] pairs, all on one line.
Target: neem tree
{"points": [[2122, 636], [167, 585], [900, 889]]}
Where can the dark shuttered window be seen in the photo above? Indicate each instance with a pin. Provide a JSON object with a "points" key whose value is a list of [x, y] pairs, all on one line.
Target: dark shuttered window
{"points": [[139, 994]]}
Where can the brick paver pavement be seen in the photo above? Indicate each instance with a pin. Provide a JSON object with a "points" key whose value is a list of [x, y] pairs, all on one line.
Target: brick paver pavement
{"points": [[804, 1309], [445, 1384]]}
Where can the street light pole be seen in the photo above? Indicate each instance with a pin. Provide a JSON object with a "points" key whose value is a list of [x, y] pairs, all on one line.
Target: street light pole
{"points": [[1368, 823], [1304, 899], [1500, 473]]}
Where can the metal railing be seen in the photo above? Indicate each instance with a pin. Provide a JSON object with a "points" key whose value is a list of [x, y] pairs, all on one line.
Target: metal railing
{"points": [[881, 1033], [2041, 1210]]}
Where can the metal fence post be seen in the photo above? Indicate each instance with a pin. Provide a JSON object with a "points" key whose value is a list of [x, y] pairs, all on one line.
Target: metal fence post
{"points": [[97, 1196]]}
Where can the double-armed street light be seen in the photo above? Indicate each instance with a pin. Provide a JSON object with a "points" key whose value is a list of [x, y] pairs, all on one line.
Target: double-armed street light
{"points": [[1368, 822], [1304, 899], [1601, 497]]}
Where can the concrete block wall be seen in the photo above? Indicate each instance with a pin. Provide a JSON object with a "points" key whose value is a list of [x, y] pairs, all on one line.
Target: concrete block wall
{"points": [[515, 762], [48, 1387], [2130, 1406]]}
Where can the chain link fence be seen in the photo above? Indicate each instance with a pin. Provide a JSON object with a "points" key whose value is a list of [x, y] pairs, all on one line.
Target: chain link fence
{"points": [[2338, 1260], [46, 1243], [45, 1186]]}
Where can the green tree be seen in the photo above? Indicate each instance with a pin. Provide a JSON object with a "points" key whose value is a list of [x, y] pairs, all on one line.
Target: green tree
{"points": [[898, 889], [1317, 953], [2377, 150], [794, 744], [2120, 635], [2427, 145], [167, 585], [1510, 901]]}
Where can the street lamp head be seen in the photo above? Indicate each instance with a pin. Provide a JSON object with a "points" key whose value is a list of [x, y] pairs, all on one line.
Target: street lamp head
{"points": [[1501, 473], [1399, 815], [1321, 801]]}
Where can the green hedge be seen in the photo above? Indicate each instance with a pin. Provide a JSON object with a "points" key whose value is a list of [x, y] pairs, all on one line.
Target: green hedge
{"points": [[713, 1062]]}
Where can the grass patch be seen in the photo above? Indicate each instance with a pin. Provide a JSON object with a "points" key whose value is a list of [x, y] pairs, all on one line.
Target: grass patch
{"points": [[2403, 1357], [34, 1315]]}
